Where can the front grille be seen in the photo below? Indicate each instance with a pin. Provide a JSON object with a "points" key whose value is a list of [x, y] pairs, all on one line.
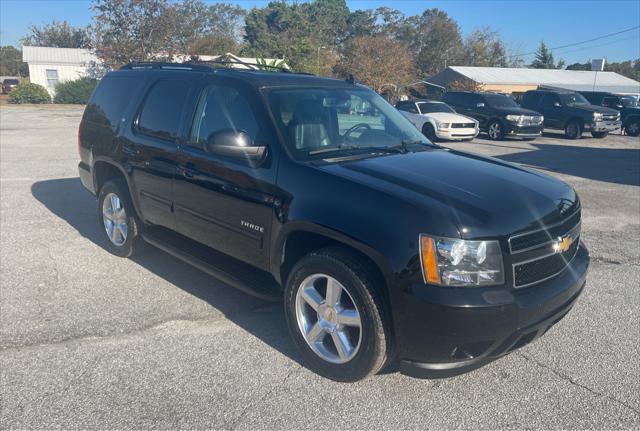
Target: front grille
{"points": [[538, 270], [531, 120], [610, 117], [535, 253], [463, 126], [538, 238]]}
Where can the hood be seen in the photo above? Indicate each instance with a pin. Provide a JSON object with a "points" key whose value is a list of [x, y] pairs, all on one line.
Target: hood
{"points": [[448, 117], [516, 111], [479, 196], [592, 108]]}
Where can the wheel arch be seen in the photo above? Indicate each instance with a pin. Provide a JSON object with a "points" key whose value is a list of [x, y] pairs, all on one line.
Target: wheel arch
{"points": [[105, 169]]}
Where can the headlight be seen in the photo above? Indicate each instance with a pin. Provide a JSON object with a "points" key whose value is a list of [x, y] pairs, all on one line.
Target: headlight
{"points": [[597, 116], [457, 262], [442, 125], [541, 119], [515, 118]]}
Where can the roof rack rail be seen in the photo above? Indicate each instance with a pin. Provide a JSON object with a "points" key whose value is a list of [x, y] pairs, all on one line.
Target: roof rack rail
{"points": [[256, 66], [164, 65]]}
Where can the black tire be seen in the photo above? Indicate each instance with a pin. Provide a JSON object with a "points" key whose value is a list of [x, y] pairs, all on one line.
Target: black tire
{"points": [[599, 135], [632, 128], [429, 132], [573, 130], [360, 280], [495, 130], [133, 243]]}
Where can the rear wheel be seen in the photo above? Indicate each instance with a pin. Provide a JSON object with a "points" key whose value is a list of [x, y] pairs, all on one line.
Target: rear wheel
{"points": [[119, 224], [429, 132], [599, 135], [336, 315], [633, 128], [495, 130], [573, 130]]}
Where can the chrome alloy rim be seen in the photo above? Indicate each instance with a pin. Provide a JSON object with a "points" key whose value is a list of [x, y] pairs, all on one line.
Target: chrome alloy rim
{"points": [[494, 130], [328, 318], [632, 128], [115, 219]]}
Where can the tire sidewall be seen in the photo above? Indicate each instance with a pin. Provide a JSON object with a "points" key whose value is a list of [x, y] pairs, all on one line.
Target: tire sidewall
{"points": [[578, 127], [366, 357], [637, 129], [126, 249], [429, 131]]}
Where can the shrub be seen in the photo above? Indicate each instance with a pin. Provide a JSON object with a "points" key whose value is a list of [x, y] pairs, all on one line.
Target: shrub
{"points": [[29, 93], [77, 91]]}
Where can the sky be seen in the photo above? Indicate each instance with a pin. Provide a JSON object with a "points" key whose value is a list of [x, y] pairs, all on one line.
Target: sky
{"points": [[522, 24]]}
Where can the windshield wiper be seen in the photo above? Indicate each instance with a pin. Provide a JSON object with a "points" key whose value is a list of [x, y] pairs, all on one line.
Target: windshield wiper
{"points": [[333, 148], [400, 148]]}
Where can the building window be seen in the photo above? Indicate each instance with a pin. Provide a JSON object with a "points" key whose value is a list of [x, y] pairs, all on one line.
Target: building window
{"points": [[52, 77]]}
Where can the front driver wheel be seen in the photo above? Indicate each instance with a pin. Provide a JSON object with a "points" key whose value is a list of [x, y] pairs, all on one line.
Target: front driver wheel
{"points": [[573, 130], [495, 130], [599, 135], [336, 315], [633, 128], [429, 132]]}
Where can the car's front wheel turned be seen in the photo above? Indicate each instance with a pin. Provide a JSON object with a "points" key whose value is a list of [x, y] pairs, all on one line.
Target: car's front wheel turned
{"points": [[336, 315], [429, 132], [117, 219]]}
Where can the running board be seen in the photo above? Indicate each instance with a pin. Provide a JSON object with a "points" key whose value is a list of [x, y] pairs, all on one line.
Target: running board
{"points": [[225, 268]]}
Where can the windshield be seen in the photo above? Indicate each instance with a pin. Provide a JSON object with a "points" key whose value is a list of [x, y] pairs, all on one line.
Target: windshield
{"points": [[573, 99], [11, 81], [500, 101], [629, 102], [316, 121], [426, 107]]}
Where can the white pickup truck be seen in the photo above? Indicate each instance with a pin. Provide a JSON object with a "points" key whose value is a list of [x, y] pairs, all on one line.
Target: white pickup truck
{"points": [[437, 120]]}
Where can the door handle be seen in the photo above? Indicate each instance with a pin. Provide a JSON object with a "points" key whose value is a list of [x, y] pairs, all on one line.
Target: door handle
{"points": [[186, 172]]}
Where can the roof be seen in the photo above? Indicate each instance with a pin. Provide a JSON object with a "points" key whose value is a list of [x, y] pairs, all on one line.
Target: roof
{"points": [[577, 80], [43, 54]]}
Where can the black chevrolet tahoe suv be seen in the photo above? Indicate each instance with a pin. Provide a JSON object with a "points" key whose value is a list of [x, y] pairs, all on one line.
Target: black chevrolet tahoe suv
{"points": [[571, 112], [383, 246], [627, 105], [499, 115]]}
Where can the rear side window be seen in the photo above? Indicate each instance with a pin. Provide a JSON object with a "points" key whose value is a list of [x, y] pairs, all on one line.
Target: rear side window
{"points": [[110, 99], [532, 99], [451, 98], [549, 99], [162, 109]]}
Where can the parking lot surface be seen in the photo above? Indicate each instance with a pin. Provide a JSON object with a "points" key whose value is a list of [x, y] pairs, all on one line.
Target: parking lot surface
{"points": [[91, 340]]}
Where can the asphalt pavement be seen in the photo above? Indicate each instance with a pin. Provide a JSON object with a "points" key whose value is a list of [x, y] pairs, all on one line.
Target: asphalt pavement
{"points": [[89, 340]]}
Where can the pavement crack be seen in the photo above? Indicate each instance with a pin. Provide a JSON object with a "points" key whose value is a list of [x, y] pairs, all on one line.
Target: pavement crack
{"points": [[571, 381], [103, 337], [266, 395], [611, 261]]}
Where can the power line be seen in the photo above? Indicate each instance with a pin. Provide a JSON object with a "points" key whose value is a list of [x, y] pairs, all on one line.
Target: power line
{"points": [[598, 46], [579, 43]]}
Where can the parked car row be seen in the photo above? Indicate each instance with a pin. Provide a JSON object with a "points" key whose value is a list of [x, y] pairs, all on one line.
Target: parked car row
{"points": [[461, 115]]}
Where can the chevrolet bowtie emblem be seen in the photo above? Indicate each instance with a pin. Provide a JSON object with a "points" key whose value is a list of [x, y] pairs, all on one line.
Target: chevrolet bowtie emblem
{"points": [[563, 244]]}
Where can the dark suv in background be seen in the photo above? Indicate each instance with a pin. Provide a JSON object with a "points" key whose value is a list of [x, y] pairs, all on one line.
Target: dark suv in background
{"points": [[498, 115], [318, 193], [627, 105], [571, 112]]}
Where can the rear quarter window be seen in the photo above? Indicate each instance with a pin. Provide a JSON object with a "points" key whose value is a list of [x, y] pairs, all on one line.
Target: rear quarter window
{"points": [[532, 99], [110, 100], [162, 108]]}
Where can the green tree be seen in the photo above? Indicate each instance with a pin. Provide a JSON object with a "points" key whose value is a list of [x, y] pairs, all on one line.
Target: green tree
{"points": [[58, 35], [11, 62], [629, 68], [485, 48], [434, 38], [544, 59]]}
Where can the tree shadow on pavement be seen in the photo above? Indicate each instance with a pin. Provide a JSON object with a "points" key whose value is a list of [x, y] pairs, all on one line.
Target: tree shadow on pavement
{"points": [[67, 199], [612, 165]]}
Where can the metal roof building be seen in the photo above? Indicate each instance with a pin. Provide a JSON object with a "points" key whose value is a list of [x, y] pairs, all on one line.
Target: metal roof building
{"points": [[48, 66], [514, 80]]}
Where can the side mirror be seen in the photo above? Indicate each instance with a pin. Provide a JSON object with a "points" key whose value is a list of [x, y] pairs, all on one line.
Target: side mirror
{"points": [[236, 144], [479, 105], [557, 104]]}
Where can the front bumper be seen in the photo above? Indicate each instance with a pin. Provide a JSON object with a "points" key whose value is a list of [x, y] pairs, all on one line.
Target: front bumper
{"points": [[447, 331], [455, 134], [517, 131], [604, 126]]}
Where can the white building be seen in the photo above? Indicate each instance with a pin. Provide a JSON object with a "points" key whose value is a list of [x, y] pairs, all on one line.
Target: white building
{"points": [[49, 66]]}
